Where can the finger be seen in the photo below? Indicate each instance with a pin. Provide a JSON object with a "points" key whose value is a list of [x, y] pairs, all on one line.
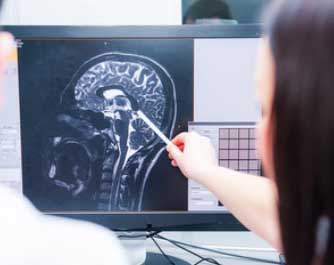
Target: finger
{"points": [[170, 156], [193, 137], [180, 139], [181, 147], [175, 152], [178, 146], [174, 164]]}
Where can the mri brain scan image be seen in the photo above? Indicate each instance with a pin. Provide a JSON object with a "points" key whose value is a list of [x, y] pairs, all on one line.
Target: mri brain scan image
{"points": [[112, 86], [94, 151]]}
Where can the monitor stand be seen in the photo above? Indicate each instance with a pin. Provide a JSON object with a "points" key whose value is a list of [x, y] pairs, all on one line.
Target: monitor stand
{"points": [[137, 253]]}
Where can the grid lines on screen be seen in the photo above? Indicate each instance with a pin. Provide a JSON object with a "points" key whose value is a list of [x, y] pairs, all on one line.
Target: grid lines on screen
{"points": [[237, 149]]}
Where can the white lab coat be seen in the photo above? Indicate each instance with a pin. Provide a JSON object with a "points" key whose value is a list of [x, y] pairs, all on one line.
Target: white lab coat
{"points": [[30, 238]]}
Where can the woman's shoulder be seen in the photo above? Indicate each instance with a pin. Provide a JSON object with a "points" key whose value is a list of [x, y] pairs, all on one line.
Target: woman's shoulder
{"points": [[12, 203], [29, 237]]}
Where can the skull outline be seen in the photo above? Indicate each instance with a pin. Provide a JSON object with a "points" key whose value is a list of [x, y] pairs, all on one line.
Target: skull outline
{"points": [[147, 156]]}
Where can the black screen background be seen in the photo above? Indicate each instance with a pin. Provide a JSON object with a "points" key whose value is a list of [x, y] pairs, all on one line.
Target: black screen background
{"points": [[47, 66]]}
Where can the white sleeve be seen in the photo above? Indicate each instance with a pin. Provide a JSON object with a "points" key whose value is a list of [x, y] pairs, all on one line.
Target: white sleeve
{"points": [[29, 238]]}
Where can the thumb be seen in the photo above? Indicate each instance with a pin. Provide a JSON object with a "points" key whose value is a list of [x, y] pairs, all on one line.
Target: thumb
{"points": [[175, 152]]}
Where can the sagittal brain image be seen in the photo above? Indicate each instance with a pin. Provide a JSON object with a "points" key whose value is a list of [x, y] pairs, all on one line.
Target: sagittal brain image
{"points": [[84, 148]]}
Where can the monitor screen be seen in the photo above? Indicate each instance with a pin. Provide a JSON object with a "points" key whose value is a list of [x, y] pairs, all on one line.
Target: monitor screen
{"points": [[90, 150], [82, 145]]}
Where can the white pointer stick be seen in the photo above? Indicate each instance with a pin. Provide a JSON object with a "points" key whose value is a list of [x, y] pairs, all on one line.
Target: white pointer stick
{"points": [[153, 127]]}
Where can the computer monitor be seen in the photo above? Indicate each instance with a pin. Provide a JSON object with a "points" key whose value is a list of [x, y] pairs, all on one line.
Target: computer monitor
{"points": [[86, 154]]}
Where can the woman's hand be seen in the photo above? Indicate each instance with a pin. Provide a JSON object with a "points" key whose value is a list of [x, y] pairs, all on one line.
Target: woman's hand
{"points": [[194, 155]]}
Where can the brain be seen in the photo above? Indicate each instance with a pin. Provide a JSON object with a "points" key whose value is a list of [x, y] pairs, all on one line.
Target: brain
{"points": [[138, 79], [141, 134]]}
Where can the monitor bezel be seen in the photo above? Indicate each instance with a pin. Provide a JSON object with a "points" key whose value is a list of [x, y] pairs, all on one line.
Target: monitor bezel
{"points": [[178, 221]]}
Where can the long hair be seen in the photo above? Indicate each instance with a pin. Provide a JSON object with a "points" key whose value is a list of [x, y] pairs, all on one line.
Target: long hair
{"points": [[301, 34]]}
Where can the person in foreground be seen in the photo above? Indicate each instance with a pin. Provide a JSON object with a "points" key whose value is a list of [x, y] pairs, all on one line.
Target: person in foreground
{"points": [[29, 238], [293, 208]]}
